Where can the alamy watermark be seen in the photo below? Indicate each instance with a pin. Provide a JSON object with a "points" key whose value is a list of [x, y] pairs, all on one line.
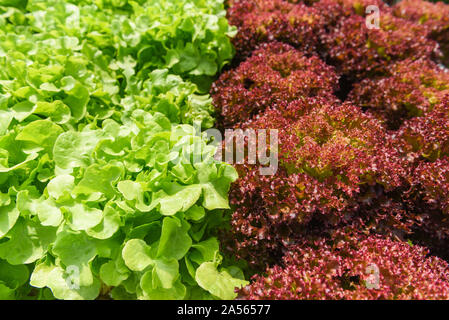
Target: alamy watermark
{"points": [[373, 279], [234, 146], [372, 20], [73, 277]]}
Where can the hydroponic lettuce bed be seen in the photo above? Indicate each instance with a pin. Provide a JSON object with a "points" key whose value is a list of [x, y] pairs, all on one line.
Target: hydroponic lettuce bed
{"points": [[110, 187]]}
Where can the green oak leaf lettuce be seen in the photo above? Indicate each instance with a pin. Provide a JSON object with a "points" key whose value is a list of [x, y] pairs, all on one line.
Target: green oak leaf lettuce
{"points": [[106, 187]]}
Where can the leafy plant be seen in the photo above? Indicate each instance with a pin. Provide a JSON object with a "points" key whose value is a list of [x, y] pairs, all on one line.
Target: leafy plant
{"points": [[262, 21], [410, 89], [359, 268], [350, 190], [433, 16], [331, 156], [274, 75], [107, 190]]}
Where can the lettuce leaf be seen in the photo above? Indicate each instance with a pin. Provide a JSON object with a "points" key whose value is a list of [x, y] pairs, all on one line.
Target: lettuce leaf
{"points": [[105, 186]]}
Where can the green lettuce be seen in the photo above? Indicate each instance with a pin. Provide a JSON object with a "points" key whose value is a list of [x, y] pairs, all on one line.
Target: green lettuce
{"points": [[106, 187]]}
